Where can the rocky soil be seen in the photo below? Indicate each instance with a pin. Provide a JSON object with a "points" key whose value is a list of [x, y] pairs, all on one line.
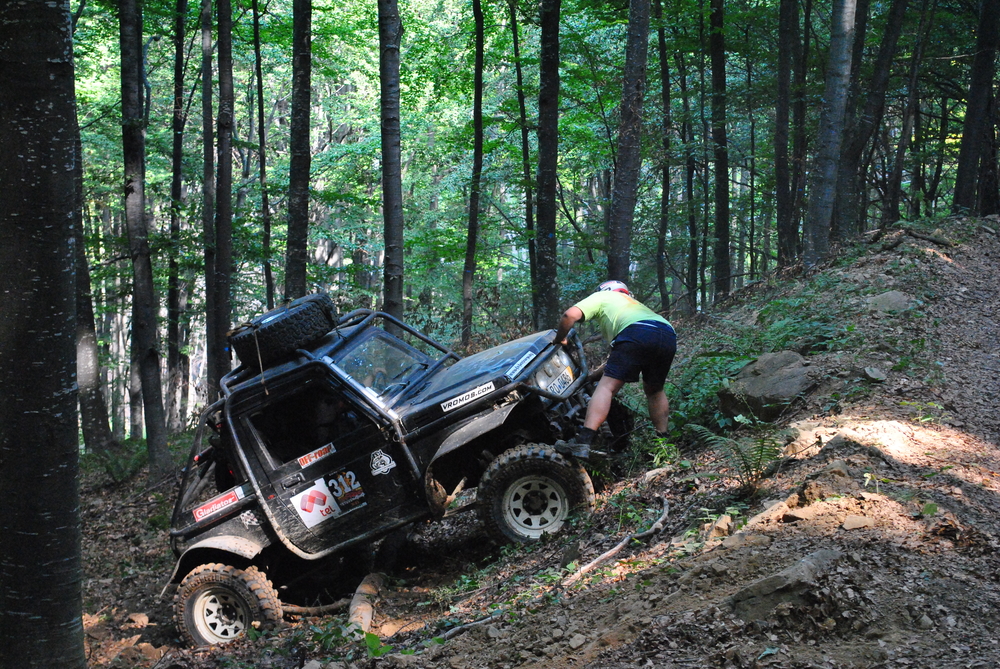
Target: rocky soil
{"points": [[873, 542]]}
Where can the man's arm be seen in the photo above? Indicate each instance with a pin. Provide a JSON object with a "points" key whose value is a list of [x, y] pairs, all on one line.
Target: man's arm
{"points": [[570, 318]]}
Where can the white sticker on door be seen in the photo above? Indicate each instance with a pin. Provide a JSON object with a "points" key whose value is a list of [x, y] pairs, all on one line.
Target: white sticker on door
{"points": [[316, 504], [382, 462]]}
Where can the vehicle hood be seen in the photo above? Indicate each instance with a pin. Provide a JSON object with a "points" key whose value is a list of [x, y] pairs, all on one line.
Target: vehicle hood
{"points": [[458, 384]]}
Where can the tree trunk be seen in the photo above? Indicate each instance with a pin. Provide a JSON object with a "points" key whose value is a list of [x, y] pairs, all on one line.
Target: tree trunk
{"points": [[666, 127], [224, 187], [976, 116], [529, 206], [799, 108], [690, 169], [301, 151], [40, 568], [629, 154], [469, 271], [547, 297], [265, 206], [717, 47], [176, 202], [213, 353], [390, 31], [831, 130], [144, 303], [850, 181], [784, 197]]}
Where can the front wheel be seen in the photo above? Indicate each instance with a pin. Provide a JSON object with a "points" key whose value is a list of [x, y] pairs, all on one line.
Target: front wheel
{"points": [[531, 490], [216, 603]]}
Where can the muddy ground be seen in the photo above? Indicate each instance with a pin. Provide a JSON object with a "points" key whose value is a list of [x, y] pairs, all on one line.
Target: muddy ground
{"points": [[873, 543]]}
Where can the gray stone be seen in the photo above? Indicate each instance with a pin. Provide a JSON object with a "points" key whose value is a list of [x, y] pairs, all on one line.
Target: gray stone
{"points": [[857, 522], [892, 300], [577, 641], [765, 387], [313, 664], [925, 622], [875, 375], [758, 599]]}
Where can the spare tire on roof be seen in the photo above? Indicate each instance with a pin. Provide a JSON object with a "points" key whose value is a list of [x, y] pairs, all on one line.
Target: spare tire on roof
{"points": [[280, 331]]}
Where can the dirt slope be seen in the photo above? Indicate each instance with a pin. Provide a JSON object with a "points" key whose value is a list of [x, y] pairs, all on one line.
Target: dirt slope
{"points": [[873, 545]]}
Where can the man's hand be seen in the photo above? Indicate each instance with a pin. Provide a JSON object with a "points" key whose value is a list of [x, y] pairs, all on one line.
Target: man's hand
{"points": [[571, 317]]}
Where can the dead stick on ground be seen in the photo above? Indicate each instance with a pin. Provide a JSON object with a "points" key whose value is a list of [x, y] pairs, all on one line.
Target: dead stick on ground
{"points": [[656, 527], [362, 609], [292, 610]]}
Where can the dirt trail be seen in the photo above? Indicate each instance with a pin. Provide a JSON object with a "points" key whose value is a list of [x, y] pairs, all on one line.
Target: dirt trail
{"points": [[875, 544]]}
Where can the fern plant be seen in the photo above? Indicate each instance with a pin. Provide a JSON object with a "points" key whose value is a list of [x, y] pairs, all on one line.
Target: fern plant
{"points": [[749, 458]]}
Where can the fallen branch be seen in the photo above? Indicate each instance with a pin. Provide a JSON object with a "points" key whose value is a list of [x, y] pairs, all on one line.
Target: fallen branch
{"points": [[292, 610], [940, 241], [455, 631], [362, 609], [654, 528]]}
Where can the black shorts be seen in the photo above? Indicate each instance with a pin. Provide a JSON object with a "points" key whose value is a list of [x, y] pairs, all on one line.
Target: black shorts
{"points": [[647, 347]]}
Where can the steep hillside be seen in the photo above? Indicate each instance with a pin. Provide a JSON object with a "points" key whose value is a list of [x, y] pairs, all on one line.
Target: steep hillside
{"points": [[871, 543]]}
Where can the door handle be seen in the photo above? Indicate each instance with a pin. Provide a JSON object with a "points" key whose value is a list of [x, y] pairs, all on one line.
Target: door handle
{"points": [[293, 480]]}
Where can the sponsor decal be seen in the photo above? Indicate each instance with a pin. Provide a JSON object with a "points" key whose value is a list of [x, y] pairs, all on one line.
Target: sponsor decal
{"points": [[520, 365], [382, 462], [317, 455], [249, 519], [219, 503], [316, 504], [467, 397], [345, 487]]}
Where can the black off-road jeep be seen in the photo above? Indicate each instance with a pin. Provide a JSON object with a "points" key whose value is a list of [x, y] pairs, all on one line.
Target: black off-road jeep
{"points": [[336, 431]]}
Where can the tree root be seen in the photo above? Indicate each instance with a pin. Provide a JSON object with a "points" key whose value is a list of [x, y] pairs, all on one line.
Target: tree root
{"points": [[292, 610], [362, 609], [590, 566]]}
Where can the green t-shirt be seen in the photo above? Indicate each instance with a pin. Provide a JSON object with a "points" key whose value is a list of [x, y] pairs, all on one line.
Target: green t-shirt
{"points": [[615, 311]]}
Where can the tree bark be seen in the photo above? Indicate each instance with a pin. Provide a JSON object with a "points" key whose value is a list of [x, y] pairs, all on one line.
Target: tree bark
{"points": [[40, 567], [176, 202], [831, 130], [301, 151], [213, 352], [547, 296], [224, 187], [717, 47], [977, 104], [469, 270], [666, 127], [623, 197], [265, 206], [529, 206], [784, 198], [144, 303], [390, 31]]}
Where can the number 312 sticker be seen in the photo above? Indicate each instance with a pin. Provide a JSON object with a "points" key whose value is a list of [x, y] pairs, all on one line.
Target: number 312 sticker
{"points": [[347, 490]]}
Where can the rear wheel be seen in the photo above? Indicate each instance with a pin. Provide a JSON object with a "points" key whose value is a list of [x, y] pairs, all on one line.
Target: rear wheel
{"points": [[216, 603], [531, 490]]}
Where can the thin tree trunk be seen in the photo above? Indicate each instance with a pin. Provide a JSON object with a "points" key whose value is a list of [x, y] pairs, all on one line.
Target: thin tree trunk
{"points": [[787, 230], [831, 130], [717, 48], [529, 214], [976, 117], [799, 109], [547, 299], [390, 30], [265, 206], [666, 127], [224, 187], [690, 168], [144, 303], [629, 154], [176, 202], [213, 353], [469, 270], [301, 151], [41, 574]]}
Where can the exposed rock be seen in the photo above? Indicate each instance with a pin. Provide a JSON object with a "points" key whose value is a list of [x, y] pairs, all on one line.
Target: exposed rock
{"points": [[722, 527], [765, 387], [892, 300], [875, 375], [795, 515], [857, 522], [758, 599], [739, 540], [577, 641]]}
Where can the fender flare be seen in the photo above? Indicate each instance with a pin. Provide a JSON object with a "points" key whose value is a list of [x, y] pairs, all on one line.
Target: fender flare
{"points": [[227, 543]]}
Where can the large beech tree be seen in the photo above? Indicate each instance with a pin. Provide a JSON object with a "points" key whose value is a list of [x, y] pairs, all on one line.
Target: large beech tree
{"points": [[40, 569]]}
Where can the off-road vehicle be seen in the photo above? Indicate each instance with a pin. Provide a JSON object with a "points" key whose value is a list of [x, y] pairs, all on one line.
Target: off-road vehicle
{"points": [[334, 432]]}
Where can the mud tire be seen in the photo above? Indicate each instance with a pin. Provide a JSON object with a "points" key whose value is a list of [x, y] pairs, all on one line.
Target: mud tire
{"points": [[530, 491], [216, 603], [280, 331]]}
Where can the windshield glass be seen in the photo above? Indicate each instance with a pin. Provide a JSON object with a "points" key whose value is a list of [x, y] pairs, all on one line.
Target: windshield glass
{"points": [[382, 363]]}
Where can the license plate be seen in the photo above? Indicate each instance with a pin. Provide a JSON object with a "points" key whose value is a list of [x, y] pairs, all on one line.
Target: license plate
{"points": [[562, 382]]}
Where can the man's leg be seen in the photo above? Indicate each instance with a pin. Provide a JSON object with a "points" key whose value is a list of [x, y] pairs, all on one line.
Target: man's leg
{"points": [[600, 402], [659, 407]]}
